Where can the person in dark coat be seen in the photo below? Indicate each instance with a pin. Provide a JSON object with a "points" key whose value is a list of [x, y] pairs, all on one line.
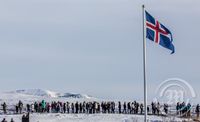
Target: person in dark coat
{"points": [[119, 107], [166, 108], [4, 120], [25, 118], [20, 106], [197, 111], [28, 107], [68, 107], [72, 107], [12, 120], [141, 108], [64, 107], [4, 107], [76, 107], [124, 111], [16, 109]]}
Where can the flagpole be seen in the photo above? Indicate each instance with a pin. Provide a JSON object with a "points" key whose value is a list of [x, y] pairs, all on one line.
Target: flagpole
{"points": [[144, 64]]}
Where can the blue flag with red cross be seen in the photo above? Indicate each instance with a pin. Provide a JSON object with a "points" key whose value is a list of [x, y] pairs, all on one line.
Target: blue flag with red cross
{"points": [[158, 33]]}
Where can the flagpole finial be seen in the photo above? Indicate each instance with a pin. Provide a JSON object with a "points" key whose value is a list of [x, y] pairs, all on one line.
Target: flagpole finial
{"points": [[143, 6]]}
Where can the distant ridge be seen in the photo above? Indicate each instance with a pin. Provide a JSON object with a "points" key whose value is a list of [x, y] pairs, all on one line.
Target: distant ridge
{"points": [[48, 93]]}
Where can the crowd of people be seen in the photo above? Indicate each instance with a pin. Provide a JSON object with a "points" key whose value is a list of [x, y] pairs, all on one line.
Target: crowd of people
{"points": [[4, 120], [100, 107], [25, 118], [184, 109], [77, 107]]}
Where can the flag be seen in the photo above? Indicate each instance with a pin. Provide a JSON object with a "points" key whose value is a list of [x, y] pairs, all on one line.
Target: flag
{"points": [[158, 33]]}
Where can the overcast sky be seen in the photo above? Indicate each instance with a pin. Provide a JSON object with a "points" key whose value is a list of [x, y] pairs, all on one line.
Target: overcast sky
{"points": [[95, 46]]}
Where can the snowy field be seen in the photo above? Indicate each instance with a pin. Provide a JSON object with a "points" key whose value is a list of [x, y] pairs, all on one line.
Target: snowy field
{"points": [[87, 118], [29, 96]]}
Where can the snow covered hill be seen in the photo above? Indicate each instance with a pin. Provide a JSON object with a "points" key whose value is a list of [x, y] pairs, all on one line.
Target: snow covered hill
{"points": [[32, 95], [48, 93], [36, 92]]}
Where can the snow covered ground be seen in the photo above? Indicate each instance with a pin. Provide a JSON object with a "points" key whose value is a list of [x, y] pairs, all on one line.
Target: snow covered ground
{"points": [[32, 95], [87, 118]]}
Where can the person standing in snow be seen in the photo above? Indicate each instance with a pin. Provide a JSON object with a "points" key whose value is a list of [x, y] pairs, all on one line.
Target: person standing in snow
{"points": [[84, 107], [4, 120], [20, 106], [58, 107], [188, 110], [113, 107], [158, 108], [16, 109], [68, 107], [99, 108], [43, 106], [119, 107], [124, 111], [136, 107], [148, 109], [72, 107], [177, 108], [129, 107], [25, 118], [80, 108], [166, 108], [4, 107], [141, 108], [28, 107], [12, 120], [76, 107], [64, 108], [93, 107], [197, 111], [32, 108], [153, 107], [36, 107], [48, 107]]}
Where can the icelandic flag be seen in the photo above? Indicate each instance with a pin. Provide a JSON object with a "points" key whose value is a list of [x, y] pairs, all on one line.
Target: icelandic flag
{"points": [[158, 33]]}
